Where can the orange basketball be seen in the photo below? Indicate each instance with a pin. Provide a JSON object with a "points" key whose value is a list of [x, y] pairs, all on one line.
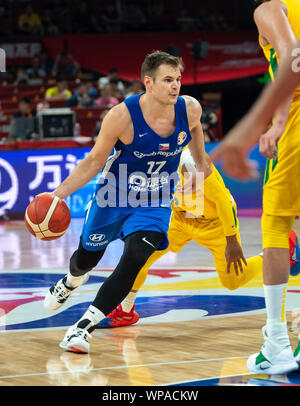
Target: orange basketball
{"points": [[47, 217]]}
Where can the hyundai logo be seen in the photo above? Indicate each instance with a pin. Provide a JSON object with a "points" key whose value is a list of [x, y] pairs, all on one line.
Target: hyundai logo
{"points": [[97, 237]]}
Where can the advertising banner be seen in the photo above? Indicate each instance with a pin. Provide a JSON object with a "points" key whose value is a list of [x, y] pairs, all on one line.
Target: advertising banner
{"points": [[25, 174]]}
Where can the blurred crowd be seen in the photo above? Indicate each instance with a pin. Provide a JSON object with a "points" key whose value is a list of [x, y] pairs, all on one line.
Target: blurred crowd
{"points": [[57, 17], [66, 84]]}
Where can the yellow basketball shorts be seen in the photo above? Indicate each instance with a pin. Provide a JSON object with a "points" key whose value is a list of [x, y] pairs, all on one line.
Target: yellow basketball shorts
{"points": [[207, 234], [281, 192], [276, 230]]}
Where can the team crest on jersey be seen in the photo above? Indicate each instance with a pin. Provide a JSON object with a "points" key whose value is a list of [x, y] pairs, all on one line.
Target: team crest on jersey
{"points": [[181, 137]]}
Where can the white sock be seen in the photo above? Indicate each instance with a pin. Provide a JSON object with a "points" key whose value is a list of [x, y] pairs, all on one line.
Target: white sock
{"points": [[275, 298], [92, 314], [74, 281], [128, 302]]}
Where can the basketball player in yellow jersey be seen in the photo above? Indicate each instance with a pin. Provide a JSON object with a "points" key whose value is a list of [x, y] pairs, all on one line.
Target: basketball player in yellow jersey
{"points": [[214, 226], [278, 27]]}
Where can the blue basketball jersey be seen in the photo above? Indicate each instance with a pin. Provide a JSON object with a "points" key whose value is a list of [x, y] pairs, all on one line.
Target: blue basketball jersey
{"points": [[144, 173]]}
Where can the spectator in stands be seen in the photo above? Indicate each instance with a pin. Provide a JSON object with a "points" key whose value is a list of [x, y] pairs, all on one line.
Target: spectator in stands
{"points": [[133, 19], [42, 106], [135, 87], [36, 71], [9, 76], [30, 22], [65, 65], [115, 90], [113, 74], [111, 19], [60, 91], [81, 97], [24, 109], [21, 77], [106, 99], [91, 89]]}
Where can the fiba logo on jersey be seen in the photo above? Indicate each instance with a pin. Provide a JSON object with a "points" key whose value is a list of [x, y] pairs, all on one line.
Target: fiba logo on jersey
{"points": [[181, 137]]}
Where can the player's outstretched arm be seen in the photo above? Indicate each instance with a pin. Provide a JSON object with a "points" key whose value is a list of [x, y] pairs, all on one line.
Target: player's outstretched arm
{"points": [[274, 99], [111, 130]]}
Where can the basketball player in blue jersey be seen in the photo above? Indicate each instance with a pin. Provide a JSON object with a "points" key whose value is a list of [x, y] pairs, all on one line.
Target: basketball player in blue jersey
{"points": [[132, 201]]}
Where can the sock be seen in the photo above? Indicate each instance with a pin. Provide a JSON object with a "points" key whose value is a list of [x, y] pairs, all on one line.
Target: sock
{"points": [[90, 318], [275, 297], [74, 281], [128, 302]]}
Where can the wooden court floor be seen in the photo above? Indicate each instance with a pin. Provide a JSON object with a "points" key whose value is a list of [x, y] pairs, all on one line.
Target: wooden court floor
{"points": [[191, 330]]}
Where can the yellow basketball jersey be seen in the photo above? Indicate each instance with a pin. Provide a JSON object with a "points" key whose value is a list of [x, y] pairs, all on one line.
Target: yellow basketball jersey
{"points": [[282, 176], [293, 15]]}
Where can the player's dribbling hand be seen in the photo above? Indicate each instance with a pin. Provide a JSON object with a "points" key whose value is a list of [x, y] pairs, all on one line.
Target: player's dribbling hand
{"points": [[46, 193], [268, 143], [234, 255]]}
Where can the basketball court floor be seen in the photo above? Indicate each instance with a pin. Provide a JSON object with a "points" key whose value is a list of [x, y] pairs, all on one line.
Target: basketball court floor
{"points": [[191, 331]]}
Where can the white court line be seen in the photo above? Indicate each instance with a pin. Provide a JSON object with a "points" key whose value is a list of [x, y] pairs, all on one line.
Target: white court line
{"points": [[122, 367]]}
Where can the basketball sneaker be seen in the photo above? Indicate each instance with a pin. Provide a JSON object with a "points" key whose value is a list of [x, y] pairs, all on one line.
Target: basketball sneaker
{"points": [[59, 293], [294, 254], [272, 358], [76, 340], [119, 318], [297, 353]]}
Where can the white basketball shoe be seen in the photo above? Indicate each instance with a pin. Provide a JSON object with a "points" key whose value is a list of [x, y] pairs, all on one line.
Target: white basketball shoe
{"points": [[272, 358], [76, 340], [59, 293]]}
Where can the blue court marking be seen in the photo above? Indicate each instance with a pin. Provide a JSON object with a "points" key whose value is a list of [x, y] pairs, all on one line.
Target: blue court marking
{"points": [[154, 306], [213, 304], [291, 379], [37, 280]]}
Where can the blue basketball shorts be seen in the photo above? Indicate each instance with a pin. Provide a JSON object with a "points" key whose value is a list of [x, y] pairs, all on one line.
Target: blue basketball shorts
{"points": [[104, 225]]}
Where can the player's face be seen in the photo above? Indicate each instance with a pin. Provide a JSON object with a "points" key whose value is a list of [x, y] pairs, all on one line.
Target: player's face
{"points": [[166, 85]]}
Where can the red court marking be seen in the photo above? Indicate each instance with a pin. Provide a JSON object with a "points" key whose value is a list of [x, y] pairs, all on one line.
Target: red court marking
{"points": [[9, 305]]}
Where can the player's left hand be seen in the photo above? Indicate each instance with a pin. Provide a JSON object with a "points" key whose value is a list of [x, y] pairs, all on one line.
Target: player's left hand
{"points": [[268, 142], [234, 255]]}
